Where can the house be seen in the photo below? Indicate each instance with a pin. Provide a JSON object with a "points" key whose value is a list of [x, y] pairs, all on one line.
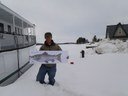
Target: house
{"points": [[119, 31]]}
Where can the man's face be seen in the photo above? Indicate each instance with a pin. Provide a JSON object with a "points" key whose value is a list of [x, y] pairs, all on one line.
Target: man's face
{"points": [[48, 39]]}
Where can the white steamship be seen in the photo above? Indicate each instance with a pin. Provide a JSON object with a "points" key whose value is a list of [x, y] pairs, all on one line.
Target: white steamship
{"points": [[17, 38]]}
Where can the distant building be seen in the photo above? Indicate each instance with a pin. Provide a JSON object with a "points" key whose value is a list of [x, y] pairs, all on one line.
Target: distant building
{"points": [[119, 31]]}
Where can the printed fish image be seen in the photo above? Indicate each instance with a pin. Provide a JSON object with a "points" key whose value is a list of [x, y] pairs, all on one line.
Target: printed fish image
{"points": [[45, 57]]}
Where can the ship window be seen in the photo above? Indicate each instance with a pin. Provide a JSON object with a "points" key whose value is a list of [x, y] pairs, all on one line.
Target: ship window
{"points": [[1, 28], [9, 28], [6, 16], [16, 31], [20, 31], [18, 22]]}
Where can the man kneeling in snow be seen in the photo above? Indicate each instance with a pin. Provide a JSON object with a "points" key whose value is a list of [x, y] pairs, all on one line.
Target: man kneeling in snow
{"points": [[49, 69]]}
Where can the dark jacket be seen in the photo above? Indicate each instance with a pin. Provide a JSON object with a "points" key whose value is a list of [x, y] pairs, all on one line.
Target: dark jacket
{"points": [[52, 47]]}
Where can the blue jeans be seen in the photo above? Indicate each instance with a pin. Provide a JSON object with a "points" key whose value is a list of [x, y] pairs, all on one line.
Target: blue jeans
{"points": [[51, 71]]}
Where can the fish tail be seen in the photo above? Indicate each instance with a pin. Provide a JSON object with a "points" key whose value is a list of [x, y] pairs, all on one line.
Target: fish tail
{"points": [[59, 57]]}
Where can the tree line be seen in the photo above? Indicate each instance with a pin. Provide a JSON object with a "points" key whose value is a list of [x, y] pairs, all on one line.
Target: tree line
{"points": [[82, 40]]}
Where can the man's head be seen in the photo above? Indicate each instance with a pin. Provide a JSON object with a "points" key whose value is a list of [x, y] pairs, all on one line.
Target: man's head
{"points": [[48, 34], [48, 37]]}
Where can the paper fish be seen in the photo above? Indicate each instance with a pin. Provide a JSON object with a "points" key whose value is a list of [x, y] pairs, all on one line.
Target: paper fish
{"points": [[45, 57]]}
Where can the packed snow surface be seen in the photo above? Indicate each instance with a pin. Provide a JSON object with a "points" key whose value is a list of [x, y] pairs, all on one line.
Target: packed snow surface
{"points": [[95, 75]]}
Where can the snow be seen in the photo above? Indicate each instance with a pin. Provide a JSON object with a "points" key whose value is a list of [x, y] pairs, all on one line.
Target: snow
{"points": [[113, 46], [94, 75]]}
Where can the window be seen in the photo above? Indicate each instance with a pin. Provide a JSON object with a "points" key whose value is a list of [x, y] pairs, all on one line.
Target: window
{"points": [[1, 28], [9, 29], [16, 31], [20, 31]]}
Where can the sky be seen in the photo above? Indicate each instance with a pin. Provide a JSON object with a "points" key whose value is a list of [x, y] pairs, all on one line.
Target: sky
{"points": [[68, 20]]}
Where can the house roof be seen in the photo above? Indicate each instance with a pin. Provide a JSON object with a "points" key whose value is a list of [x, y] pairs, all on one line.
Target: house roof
{"points": [[112, 28]]}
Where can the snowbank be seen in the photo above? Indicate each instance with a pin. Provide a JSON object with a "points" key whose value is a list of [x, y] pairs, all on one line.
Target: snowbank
{"points": [[112, 46]]}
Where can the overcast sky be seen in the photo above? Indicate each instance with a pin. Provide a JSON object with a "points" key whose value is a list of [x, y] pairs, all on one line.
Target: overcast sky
{"points": [[70, 19]]}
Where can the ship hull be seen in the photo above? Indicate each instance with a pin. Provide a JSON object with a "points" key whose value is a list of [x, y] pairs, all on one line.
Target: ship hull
{"points": [[13, 64]]}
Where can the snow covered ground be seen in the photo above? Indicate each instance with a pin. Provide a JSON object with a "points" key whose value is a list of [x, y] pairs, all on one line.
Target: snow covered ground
{"points": [[95, 75]]}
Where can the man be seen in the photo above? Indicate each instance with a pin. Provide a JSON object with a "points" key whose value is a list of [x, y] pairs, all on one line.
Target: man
{"points": [[49, 69]]}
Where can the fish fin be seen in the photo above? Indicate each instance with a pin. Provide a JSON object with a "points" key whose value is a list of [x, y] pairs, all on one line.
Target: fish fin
{"points": [[46, 61], [53, 60], [45, 53]]}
